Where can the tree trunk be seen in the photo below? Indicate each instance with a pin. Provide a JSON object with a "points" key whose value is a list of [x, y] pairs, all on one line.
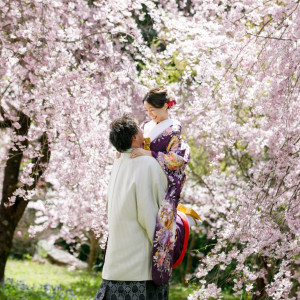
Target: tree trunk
{"points": [[10, 215], [261, 289], [260, 283], [8, 224], [93, 250]]}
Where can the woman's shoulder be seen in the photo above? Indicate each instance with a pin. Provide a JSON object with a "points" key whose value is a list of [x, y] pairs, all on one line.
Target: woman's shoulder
{"points": [[143, 124], [176, 126]]}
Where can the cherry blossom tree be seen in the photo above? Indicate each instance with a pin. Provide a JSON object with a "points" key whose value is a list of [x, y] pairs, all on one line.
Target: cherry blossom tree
{"points": [[68, 68], [240, 96], [237, 65]]}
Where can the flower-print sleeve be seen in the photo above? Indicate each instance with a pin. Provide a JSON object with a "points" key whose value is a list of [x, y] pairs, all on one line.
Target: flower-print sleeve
{"points": [[176, 156], [173, 154]]}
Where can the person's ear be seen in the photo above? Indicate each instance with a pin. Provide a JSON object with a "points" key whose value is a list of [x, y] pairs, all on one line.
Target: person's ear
{"points": [[134, 138], [165, 107]]}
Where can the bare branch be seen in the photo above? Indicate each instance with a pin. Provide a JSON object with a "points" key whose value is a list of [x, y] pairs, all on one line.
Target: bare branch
{"points": [[12, 107], [272, 37], [2, 112], [3, 93], [42, 161]]}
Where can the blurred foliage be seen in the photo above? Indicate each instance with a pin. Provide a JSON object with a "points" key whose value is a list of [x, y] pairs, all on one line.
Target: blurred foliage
{"points": [[145, 24], [198, 247], [199, 162], [83, 252], [23, 244]]}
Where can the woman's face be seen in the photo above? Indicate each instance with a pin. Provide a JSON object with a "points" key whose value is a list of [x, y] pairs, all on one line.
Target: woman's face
{"points": [[157, 115]]}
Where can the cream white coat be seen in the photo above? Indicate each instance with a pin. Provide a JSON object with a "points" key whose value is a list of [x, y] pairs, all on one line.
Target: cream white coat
{"points": [[136, 190]]}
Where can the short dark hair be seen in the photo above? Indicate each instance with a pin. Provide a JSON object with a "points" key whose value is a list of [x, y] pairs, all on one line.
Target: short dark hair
{"points": [[157, 97], [122, 130]]}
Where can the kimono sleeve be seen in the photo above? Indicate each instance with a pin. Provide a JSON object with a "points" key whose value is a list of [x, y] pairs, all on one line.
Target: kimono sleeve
{"points": [[150, 191], [176, 155]]}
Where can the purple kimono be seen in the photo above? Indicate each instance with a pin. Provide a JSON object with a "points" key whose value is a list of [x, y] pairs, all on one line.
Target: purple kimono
{"points": [[173, 154]]}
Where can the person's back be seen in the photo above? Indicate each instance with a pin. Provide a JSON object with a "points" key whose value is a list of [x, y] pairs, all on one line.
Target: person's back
{"points": [[136, 189]]}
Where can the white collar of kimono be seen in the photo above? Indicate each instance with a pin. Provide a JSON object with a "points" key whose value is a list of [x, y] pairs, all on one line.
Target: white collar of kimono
{"points": [[153, 130]]}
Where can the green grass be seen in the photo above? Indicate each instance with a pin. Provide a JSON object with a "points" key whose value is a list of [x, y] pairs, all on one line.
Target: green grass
{"points": [[179, 292], [35, 281], [33, 273], [30, 280]]}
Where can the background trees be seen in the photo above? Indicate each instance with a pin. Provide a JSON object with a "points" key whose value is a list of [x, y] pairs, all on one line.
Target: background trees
{"points": [[68, 68]]}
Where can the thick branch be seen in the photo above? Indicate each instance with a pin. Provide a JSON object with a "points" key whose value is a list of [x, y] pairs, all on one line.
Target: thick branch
{"points": [[40, 165], [12, 169], [42, 162], [5, 124]]}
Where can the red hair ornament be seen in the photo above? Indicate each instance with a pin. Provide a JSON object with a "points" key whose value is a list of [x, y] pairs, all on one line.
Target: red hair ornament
{"points": [[171, 103]]}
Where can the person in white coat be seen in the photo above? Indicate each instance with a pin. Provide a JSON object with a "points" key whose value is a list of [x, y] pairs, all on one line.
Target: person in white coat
{"points": [[136, 190]]}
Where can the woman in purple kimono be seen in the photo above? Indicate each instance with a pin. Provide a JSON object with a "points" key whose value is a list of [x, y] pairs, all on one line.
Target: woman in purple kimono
{"points": [[163, 141]]}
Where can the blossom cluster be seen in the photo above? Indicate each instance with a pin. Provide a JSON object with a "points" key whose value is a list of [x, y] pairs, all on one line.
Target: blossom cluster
{"points": [[72, 67]]}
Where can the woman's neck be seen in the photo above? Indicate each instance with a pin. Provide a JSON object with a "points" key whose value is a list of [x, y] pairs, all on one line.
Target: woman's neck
{"points": [[162, 120]]}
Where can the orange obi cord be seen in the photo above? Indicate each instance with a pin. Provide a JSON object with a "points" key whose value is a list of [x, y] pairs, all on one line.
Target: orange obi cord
{"points": [[188, 211]]}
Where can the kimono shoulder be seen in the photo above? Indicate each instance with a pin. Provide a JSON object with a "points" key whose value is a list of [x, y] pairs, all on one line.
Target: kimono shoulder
{"points": [[169, 127], [143, 124], [176, 127]]}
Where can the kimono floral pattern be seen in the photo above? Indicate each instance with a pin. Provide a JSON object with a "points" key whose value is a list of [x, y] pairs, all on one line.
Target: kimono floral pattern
{"points": [[165, 237], [173, 154]]}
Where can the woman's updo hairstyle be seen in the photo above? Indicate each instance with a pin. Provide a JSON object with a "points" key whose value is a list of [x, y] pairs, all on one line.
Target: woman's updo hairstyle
{"points": [[157, 97]]}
